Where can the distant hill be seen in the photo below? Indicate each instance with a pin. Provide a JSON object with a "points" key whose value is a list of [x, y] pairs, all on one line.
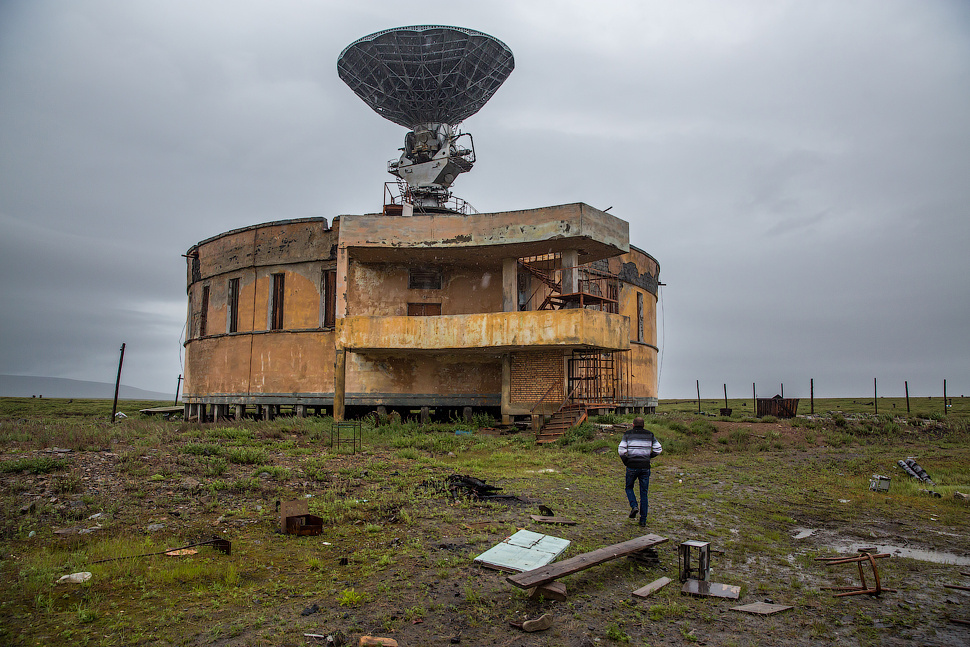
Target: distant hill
{"points": [[24, 386]]}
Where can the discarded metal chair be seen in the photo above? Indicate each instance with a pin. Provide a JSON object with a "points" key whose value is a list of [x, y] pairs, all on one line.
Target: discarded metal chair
{"points": [[863, 589]]}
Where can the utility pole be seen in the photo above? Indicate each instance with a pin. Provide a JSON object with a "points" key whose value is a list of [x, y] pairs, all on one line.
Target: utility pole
{"points": [[114, 407]]}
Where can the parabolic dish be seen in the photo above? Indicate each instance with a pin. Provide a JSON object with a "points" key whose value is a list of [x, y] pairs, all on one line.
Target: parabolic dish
{"points": [[427, 74]]}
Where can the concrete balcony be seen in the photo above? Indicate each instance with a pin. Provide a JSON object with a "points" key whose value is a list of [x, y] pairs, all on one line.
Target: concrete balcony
{"points": [[493, 331]]}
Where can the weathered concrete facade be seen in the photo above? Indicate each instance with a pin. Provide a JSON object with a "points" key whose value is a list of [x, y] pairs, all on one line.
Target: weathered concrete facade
{"points": [[508, 311]]}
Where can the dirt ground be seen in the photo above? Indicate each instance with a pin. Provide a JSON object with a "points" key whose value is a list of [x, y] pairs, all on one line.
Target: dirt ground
{"points": [[396, 555]]}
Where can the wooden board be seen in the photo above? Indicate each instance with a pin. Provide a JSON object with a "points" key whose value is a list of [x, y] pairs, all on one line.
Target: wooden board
{"points": [[292, 509], [560, 520], [762, 608], [546, 574], [654, 586]]}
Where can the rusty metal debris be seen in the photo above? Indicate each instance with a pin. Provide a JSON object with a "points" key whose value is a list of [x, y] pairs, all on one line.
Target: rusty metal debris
{"points": [[222, 545], [304, 525], [696, 579], [863, 589]]}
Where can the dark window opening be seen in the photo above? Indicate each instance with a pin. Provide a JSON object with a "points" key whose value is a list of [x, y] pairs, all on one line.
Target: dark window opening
{"points": [[276, 315], [424, 309], [330, 298], [233, 306], [640, 316], [424, 279], [204, 313]]}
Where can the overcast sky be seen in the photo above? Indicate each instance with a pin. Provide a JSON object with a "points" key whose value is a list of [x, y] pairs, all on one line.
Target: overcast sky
{"points": [[801, 170]]}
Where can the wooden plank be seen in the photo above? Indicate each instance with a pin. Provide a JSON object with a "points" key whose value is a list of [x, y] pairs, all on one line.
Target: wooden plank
{"points": [[560, 520], [292, 509], [958, 588], [654, 586], [546, 574]]}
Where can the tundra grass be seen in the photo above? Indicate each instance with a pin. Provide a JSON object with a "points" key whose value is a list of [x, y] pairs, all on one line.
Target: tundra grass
{"points": [[398, 546]]}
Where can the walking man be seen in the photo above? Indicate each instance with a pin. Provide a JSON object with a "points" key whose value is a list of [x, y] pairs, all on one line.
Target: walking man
{"points": [[636, 449]]}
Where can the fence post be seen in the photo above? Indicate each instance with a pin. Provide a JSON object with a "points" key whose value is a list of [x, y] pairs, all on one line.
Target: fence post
{"points": [[906, 386], [811, 394], [114, 407], [698, 396]]}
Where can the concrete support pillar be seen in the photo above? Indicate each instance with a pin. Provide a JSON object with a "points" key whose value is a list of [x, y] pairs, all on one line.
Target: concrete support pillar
{"points": [[240, 412], [506, 388], [510, 285], [466, 413], [300, 411], [570, 259], [202, 412], [267, 412], [536, 422], [382, 411], [339, 384], [425, 415], [186, 410]]}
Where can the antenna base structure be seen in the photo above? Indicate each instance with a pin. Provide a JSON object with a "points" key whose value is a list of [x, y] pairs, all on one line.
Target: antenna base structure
{"points": [[428, 79]]}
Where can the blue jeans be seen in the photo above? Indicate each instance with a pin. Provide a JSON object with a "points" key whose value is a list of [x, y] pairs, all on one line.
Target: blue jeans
{"points": [[634, 474]]}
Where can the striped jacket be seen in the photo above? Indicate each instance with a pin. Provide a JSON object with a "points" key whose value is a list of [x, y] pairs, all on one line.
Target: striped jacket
{"points": [[638, 447]]}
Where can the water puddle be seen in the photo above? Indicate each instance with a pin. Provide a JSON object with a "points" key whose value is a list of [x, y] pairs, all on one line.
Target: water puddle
{"points": [[935, 556], [802, 533]]}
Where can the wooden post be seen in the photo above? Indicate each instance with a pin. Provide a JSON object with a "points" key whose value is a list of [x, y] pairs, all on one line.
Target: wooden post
{"points": [[725, 397], [944, 385], [114, 407], [178, 386], [906, 386], [783, 389], [754, 400], [875, 396], [339, 384], [811, 394], [699, 396]]}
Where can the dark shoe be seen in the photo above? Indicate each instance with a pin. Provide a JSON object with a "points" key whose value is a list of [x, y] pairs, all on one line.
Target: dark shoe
{"points": [[643, 522], [634, 512]]}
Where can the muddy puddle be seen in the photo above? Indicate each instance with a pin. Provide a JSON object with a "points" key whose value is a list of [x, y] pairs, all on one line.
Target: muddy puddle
{"points": [[935, 556]]}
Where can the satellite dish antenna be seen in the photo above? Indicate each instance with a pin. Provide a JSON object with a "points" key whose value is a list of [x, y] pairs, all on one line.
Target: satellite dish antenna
{"points": [[428, 79]]}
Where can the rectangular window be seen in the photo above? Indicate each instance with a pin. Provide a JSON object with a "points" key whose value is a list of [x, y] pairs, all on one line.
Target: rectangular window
{"points": [[424, 279], [329, 298], [204, 312], [424, 309], [276, 315], [640, 316], [232, 305]]}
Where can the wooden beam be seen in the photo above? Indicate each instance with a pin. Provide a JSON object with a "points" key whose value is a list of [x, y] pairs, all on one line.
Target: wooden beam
{"points": [[552, 572], [562, 521], [654, 586]]}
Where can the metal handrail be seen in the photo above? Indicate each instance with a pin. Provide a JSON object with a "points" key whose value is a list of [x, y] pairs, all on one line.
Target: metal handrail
{"points": [[548, 391]]}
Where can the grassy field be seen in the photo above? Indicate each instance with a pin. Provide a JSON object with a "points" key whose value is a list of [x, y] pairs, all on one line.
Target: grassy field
{"points": [[396, 555]]}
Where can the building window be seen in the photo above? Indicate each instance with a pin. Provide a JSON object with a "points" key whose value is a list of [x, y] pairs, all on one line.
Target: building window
{"points": [[204, 313], [329, 289], [232, 305], [640, 316], [424, 279], [424, 309], [276, 313]]}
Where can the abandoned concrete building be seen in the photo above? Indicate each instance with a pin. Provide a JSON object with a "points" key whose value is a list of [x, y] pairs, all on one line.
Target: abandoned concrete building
{"points": [[511, 312], [427, 305]]}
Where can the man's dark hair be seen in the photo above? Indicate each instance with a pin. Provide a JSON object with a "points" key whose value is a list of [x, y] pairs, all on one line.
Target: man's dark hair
{"points": [[638, 422]]}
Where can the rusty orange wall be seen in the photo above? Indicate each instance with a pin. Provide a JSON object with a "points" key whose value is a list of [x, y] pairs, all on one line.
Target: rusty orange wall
{"points": [[424, 373], [282, 362], [643, 357], [380, 289], [295, 362]]}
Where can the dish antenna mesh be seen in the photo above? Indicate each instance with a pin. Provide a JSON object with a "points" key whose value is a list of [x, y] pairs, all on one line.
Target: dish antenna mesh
{"points": [[425, 74]]}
